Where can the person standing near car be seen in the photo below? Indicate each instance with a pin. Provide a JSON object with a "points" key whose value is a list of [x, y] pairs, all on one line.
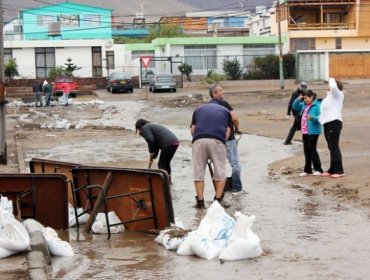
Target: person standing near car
{"points": [[158, 138], [217, 94], [46, 88], [65, 89], [37, 89], [296, 115]]}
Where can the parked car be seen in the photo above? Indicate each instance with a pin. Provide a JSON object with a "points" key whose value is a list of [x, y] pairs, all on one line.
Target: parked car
{"points": [[146, 76], [163, 81], [58, 82], [120, 81]]}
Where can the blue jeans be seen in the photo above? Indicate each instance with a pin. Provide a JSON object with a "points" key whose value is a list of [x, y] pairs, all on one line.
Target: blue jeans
{"points": [[233, 157]]}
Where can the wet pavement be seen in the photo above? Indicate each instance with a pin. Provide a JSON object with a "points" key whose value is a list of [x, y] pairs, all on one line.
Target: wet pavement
{"points": [[305, 235]]}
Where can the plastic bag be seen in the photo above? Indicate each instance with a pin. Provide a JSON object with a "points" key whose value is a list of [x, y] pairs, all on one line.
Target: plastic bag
{"points": [[72, 217], [243, 243], [216, 224], [6, 204], [57, 247], [100, 225], [207, 248], [213, 232], [184, 248], [171, 238], [13, 235]]}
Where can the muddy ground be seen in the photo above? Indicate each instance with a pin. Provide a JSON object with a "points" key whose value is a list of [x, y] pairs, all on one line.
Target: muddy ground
{"points": [[99, 130]]}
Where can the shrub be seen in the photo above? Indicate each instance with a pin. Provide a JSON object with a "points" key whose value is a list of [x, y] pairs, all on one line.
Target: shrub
{"points": [[11, 69], [212, 77], [53, 73], [186, 70], [232, 69]]}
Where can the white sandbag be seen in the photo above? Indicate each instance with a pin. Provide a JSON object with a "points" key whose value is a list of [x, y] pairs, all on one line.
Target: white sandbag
{"points": [[6, 204], [13, 235], [100, 225], [171, 238], [4, 253], [206, 248], [72, 217], [216, 224], [32, 225], [243, 243], [57, 247], [184, 248]]}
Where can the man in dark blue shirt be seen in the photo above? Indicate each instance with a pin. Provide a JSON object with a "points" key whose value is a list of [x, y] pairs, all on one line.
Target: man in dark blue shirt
{"points": [[210, 128], [217, 95]]}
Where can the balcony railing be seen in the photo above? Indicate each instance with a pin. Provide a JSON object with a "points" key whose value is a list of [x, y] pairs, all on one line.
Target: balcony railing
{"points": [[322, 26]]}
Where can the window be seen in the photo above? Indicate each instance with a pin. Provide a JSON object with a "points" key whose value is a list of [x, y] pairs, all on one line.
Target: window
{"points": [[333, 18], [43, 20], [69, 20], [201, 57], [92, 20], [250, 52], [45, 61], [338, 43], [302, 44], [8, 54], [110, 59], [96, 62]]}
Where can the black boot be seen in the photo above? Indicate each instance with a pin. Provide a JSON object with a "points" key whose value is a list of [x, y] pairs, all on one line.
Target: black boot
{"points": [[200, 203]]}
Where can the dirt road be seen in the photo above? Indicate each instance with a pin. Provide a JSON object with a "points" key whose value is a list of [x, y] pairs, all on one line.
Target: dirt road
{"points": [[310, 228]]}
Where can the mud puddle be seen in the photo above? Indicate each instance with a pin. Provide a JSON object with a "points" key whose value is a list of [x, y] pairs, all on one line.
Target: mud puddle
{"points": [[305, 235]]}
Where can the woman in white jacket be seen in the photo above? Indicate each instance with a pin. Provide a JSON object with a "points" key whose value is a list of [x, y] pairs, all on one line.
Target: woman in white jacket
{"points": [[331, 118]]}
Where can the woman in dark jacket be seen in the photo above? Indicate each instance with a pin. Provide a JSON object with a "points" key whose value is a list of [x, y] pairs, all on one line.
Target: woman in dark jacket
{"points": [[158, 138]]}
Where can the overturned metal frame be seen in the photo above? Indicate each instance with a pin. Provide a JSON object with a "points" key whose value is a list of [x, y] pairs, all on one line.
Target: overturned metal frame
{"points": [[140, 197], [42, 197]]}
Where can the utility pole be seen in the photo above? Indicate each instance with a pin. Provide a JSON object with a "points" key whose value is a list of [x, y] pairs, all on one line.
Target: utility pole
{"points": [[281, 71], [3, 155]]}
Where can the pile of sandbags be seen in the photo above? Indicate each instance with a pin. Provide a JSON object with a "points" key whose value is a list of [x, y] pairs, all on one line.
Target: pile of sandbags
{"points": [[218, 236]]}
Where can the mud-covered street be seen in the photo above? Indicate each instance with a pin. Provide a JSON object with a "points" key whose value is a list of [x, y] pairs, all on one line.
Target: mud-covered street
{"points": [[309, 228]]}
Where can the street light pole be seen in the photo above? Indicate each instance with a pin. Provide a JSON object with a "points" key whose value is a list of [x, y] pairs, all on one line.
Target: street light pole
{"points": [[281, 71], [3, 155]]}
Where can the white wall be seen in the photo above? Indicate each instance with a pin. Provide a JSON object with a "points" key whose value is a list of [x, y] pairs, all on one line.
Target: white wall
{"points": [[81, 57], [26, 62]]}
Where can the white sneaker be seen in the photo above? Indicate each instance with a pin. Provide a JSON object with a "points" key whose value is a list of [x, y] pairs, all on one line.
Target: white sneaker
{"points": [[303, 174], [316, 173]]}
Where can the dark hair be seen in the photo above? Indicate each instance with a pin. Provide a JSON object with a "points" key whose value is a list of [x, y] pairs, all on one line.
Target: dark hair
{"points": [[339, 84], [310, 93], [140, 123]]}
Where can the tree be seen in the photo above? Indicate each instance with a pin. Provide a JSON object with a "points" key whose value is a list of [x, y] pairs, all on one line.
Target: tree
{"points": [[70, 67], [232, 69], [164, 31], [53, 73], [11, 69], [186, 70]]}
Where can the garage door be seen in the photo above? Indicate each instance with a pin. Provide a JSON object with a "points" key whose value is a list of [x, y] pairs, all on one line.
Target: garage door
{"points": [[349, 65]]}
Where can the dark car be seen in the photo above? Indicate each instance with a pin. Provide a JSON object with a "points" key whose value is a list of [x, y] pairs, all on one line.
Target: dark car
{"points": [[120, 81], [58, 85], [163, 81]]}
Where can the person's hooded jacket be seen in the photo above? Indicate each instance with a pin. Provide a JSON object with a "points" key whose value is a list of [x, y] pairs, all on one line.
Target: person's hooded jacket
{"points": [[313, 125]]}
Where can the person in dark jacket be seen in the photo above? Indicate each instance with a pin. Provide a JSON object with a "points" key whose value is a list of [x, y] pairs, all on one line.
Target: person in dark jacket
{"points": [[296, 123], [158, 138], [37, 89]]}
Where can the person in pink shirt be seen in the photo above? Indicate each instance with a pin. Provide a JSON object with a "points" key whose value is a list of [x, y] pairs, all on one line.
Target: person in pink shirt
{"points": [[309, 109]]}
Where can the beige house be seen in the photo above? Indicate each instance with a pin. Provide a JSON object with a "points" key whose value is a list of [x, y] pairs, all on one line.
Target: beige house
{"points": [[341, 29]]}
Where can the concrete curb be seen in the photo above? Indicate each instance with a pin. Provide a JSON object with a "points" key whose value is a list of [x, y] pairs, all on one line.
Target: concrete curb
{"points": [[38, 259]]}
